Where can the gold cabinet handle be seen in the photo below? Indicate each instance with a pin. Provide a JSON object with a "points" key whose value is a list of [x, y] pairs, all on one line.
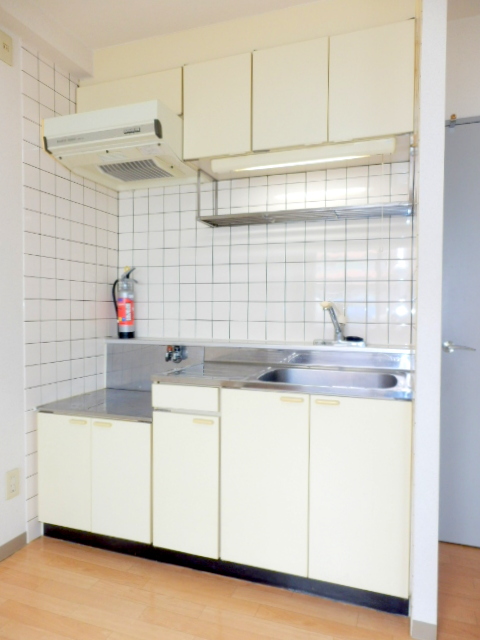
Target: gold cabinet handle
{"points": [[79, 422], [102, 424], [329, 402], [291, 399], [202, 421]]}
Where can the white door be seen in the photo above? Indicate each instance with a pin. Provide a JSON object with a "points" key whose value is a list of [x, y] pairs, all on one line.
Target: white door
{"points": [[186, 482], [64, 471], [121, 479], [460, 435], [264, 462], [360, 453]]}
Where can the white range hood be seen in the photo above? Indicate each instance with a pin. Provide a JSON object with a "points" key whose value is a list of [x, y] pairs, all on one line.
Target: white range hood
{"points": [[129, 147]]}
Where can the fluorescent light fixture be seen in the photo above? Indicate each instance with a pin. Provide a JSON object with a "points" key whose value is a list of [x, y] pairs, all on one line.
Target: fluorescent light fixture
{"points": [[304, 156], [300, 163]]}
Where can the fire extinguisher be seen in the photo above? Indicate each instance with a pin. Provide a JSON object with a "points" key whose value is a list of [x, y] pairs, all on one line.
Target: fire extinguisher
{"points": [[124, 304]]}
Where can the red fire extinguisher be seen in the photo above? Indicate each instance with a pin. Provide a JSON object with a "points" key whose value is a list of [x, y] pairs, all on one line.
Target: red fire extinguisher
{"points": [[124, 304]]}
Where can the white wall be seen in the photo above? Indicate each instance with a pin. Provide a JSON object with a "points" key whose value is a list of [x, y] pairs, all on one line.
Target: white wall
{"points": [[426, 458], [294, 24], [12, 512], [463, 68], [70, 245]]}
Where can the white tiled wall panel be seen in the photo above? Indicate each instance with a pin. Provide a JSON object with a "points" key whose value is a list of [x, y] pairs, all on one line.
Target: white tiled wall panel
{"points": [[71, 255], [266, 282]]}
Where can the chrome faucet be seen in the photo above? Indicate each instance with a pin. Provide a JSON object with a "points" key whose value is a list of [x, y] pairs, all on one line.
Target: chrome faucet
{"points": [[338, 326], [175, 353]]}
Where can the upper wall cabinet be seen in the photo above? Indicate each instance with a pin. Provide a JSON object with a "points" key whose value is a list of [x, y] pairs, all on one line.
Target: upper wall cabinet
{"points": [[217, 107], [290, 95], [372, 76], [165, 86]]}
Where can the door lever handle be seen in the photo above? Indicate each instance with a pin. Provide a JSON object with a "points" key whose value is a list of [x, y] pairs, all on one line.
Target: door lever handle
{"points": [[449, 347]]}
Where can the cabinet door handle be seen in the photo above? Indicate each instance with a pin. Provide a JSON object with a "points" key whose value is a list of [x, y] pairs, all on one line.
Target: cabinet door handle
{"points": [[79, 422], [202, 421], [329, 402], [102, 424], [291, 399]]}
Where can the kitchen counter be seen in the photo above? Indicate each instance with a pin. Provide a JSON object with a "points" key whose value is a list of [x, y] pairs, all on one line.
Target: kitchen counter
{"points": [[115, 404], [242, 368], [357, 373]]}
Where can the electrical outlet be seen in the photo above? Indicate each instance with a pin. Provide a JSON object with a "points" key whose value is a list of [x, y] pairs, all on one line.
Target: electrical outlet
{"points": [[13, 483], [6, 48]]}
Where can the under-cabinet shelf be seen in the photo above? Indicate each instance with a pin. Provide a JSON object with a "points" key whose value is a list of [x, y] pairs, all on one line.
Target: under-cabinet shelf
{"points": [[296, 215]]}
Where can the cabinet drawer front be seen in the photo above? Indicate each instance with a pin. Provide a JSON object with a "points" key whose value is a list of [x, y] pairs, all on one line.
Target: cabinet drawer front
{"points": [[185, 398]]}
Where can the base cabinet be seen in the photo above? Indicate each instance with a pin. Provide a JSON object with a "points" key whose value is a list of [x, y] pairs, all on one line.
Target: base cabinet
{"points": [[308, 485], [360, 493], [64, 471], [186, 483], [264, 503], [95, 475]]}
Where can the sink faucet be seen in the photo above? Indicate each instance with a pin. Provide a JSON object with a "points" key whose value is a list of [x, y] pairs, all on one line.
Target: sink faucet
{"points": [[338, 326]]}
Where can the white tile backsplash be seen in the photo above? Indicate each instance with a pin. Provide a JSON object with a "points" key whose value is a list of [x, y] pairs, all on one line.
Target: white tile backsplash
{"points": [[266, 282], [70, 257]]}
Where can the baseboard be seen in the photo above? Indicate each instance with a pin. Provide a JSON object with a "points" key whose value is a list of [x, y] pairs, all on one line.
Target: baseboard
{"points": [[379, 601], [9, 548], [423, 630]]}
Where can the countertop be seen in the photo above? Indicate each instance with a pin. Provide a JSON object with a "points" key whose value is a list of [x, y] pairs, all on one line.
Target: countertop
{"points": [[350, 373], [115, 404], [246, 376], [211, 374]]}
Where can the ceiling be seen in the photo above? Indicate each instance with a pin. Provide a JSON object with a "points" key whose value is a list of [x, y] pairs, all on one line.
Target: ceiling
{"points": [[463, 9], [103, 23]]}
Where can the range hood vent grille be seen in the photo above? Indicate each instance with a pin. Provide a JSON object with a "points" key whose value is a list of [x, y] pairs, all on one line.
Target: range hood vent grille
{"points": [[136, 170]]}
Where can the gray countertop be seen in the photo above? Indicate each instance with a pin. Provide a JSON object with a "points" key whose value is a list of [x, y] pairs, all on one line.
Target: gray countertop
{"points": [[212, 374], [235, 375], [115, 404], [345, 373]]}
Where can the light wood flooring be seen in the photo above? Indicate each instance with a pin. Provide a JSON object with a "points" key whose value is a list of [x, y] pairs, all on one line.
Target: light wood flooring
{"points": [[54, 590]]}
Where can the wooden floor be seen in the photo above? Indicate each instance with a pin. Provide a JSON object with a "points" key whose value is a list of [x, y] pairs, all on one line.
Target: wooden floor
{"points": [[53, 590]]}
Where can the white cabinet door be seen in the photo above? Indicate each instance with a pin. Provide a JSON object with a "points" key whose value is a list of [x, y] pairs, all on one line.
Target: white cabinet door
{"points": [[371, 86], [186, 483], [217, 107], [360, 493], [290, 95], [264, 472], [64, 471], [121, 479]]}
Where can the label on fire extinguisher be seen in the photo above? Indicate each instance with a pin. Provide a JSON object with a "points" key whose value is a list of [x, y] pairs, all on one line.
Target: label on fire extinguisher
{"points": [[125, 312]]}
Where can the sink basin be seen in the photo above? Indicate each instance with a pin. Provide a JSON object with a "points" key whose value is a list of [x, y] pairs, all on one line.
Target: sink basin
{"points": [[324, 378]]}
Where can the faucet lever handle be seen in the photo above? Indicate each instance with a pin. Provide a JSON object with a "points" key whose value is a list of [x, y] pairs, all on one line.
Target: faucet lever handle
{"points": [[331, 307]]}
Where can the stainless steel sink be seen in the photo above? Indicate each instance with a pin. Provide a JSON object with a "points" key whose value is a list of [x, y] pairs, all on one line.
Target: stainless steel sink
{"points": [[325, 378]]}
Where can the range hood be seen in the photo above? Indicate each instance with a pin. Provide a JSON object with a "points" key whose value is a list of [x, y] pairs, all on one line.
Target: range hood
{"points": [[135, 146]]}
